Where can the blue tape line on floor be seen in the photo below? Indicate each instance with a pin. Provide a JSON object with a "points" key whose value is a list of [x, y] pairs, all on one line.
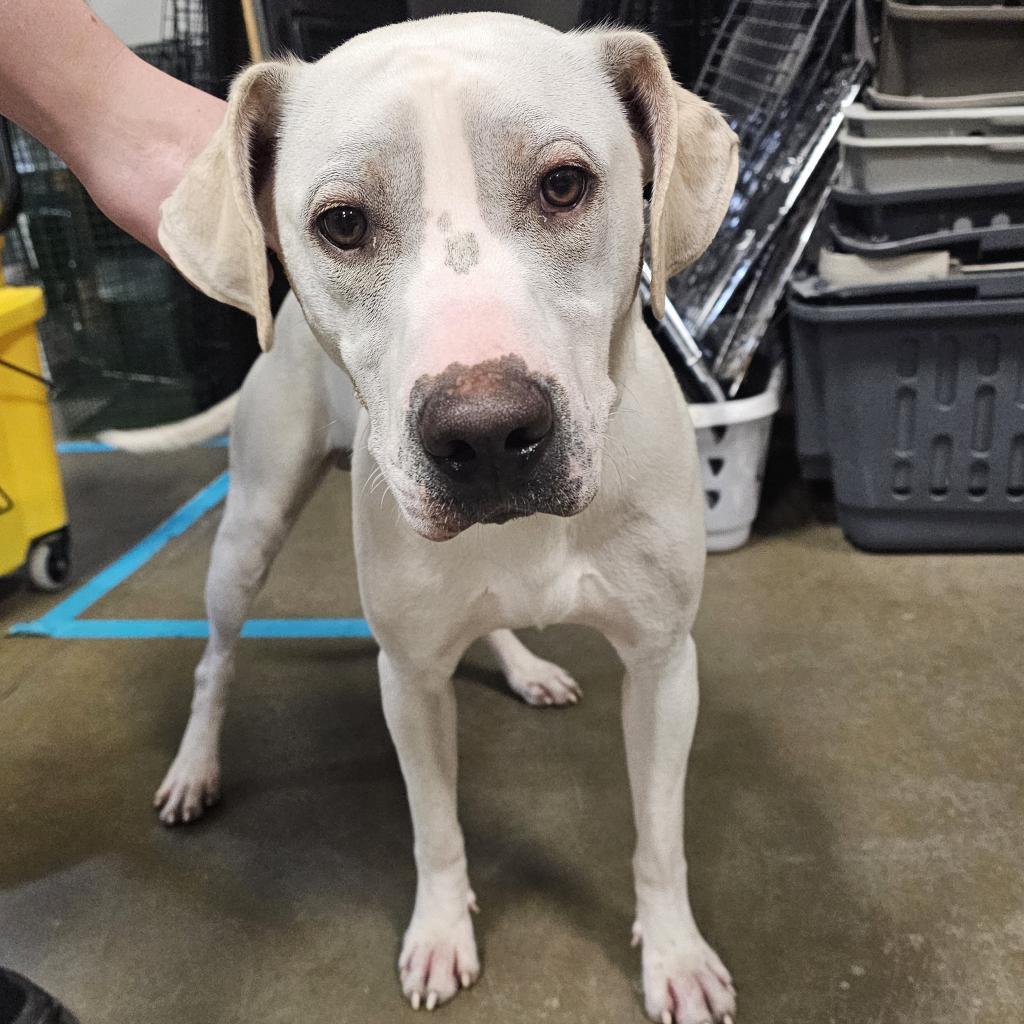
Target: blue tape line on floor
{"points": [[89, 447], [62, 621], [119, 570], [196, 629], [78, 447]]}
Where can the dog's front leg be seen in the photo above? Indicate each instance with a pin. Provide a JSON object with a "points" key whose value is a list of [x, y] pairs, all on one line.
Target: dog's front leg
{"points": [[439, 951], [684, 980], [538, 682]]}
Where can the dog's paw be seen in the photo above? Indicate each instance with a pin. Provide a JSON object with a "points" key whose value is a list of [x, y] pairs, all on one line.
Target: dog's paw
{"points": [[685, 982], [190, 786], [543, 683], [438, 958]]}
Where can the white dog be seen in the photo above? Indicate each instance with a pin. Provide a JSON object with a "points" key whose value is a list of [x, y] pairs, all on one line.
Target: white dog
{"points": [[458, 204]]}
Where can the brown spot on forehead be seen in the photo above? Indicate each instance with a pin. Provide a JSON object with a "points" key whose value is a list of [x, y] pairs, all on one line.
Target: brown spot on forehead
{"points": [[462, 252]]}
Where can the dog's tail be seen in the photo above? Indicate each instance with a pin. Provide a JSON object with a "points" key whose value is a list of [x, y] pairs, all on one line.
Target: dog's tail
{"points": [[169, 437]]}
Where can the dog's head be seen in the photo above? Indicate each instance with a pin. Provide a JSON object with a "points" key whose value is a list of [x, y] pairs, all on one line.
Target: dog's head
{"points": [[458, 204]]}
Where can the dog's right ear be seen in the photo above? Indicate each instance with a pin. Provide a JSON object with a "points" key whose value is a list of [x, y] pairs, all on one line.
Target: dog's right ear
{"points": [[217, 224]]}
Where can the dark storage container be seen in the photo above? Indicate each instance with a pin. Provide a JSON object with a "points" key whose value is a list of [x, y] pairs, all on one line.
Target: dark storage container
{"points": [[916, 412], [913, 213], [941, 51]]}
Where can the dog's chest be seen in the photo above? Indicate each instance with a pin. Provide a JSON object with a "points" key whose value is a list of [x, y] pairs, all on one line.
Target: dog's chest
{"points": [[537, 588]]}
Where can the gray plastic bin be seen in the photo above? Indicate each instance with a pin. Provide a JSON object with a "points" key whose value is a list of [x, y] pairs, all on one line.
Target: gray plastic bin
{"points": [[888, 164], [945, 51], [907, 215], [916, 412], [974, 245], [956, 287], [992, 122], [890, 101]]}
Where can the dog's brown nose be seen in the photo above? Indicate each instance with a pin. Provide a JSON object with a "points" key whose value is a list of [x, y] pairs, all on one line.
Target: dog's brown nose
{"points": [[486, 425]]}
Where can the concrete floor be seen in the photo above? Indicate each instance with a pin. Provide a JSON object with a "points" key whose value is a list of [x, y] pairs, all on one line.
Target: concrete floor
{"points": [[855, 804]]}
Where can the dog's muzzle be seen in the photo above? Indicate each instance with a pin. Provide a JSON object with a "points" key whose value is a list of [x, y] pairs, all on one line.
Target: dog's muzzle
{"points": [[491, 442], [490, 434]]}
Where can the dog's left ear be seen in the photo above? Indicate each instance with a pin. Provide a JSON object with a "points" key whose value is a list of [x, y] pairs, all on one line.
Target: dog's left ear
{"points": [[691, 156]]}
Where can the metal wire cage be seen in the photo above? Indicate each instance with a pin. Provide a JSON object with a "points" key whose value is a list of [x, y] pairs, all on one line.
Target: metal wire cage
{"points": [[126, 341], [185, 51], [768, 55], [781, 72]]}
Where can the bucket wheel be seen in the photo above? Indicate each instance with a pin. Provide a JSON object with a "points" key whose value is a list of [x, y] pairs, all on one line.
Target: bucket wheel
{"points": [[49, 561]]}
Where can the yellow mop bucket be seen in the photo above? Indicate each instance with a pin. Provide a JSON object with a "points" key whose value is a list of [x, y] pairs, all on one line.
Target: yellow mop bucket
{"points": [[33, 518]]}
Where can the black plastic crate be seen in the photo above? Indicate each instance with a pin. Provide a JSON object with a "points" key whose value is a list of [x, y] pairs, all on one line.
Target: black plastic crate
{"points": [[916, 413], [895, 217]]}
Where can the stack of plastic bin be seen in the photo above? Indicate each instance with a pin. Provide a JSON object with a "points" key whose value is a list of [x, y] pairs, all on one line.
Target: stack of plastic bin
{"points": [[908, 335], [947, 55]]}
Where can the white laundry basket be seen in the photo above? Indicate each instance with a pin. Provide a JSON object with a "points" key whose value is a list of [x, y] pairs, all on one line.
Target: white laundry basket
{"points": [[732, 441]]}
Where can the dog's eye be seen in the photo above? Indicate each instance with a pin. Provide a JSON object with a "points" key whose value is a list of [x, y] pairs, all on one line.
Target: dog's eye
{"points": [[564, 187], [343, 226]]}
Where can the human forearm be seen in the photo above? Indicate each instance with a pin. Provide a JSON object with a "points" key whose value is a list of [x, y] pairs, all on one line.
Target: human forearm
{"points": [[126, 129]]}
